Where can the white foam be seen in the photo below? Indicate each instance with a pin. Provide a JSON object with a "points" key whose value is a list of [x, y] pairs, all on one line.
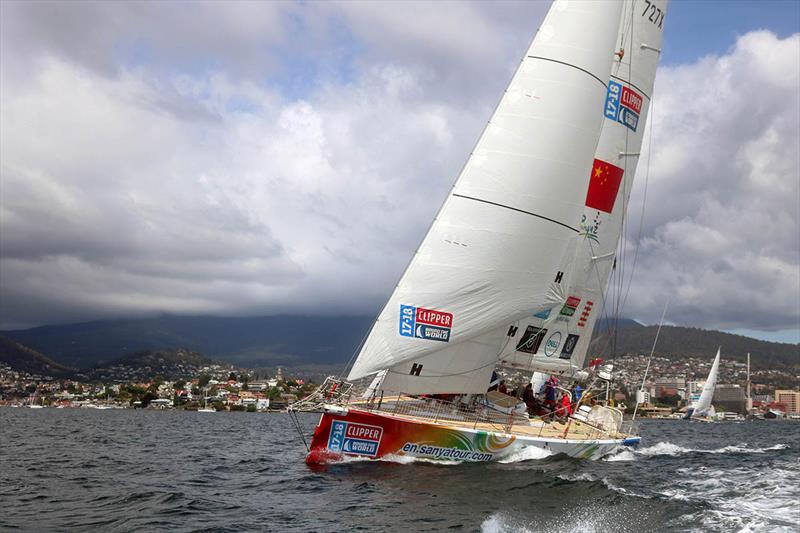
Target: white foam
{"points": [[528, 453], [738, 500], [622, 455], [663, 448], [501, 523], [583, 476], [408, 459], [667, 448]]}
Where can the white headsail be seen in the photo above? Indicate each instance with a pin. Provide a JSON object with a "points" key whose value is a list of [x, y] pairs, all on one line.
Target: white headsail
{"points": [[703, 405], [493, 253], [556, 342]]}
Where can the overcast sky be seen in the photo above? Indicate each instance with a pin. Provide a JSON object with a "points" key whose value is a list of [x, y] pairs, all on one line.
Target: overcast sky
{"points": [[258, 158]]}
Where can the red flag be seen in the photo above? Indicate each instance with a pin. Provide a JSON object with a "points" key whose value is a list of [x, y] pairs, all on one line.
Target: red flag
{"points": [[603, 186]]}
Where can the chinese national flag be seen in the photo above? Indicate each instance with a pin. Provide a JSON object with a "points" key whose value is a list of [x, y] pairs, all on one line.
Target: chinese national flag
{"points": [[603, 186]]}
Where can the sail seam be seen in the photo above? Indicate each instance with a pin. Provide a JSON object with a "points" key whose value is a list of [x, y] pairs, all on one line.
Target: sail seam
{"points": [[632, 85], [516, 209], [604, 84]]}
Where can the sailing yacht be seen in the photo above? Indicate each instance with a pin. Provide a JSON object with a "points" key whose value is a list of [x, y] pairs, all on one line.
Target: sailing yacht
{"points": [[702, 409], [206, 408], [514, 268]]}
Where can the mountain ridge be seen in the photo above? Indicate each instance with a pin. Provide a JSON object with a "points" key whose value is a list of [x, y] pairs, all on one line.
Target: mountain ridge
{"points": [[296, 340]]}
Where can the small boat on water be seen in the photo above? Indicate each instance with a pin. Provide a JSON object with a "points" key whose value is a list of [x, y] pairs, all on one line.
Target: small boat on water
{"points": [[513, 272], [702, 409]]}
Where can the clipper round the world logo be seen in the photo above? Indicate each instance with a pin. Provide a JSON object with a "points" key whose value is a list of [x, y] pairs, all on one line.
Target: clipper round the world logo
{"points": [[424, 323]]}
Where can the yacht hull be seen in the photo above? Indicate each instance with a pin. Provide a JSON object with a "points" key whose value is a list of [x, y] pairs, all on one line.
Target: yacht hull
{"points": [[348, 432]]}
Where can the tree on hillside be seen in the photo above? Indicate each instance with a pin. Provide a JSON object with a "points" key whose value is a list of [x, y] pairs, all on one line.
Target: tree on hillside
{"points": [[203, 380]]}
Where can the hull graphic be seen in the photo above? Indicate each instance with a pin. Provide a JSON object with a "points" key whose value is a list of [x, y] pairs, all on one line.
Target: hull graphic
{"points": [[349, 432]]}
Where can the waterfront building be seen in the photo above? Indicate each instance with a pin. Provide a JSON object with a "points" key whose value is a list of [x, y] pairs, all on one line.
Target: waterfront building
{"points": [[789, 398], [729, 397], [670, 386]]}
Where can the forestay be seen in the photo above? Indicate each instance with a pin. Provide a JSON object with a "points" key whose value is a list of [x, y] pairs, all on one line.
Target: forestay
{"points": [[491, 256]]}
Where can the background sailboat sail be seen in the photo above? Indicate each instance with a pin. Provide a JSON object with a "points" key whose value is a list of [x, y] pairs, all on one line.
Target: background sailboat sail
{"points": [[703, 405], [491, 256], [566, 332]]}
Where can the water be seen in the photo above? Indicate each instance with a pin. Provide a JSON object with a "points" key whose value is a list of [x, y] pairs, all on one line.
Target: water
{"points": [[86, 470]]}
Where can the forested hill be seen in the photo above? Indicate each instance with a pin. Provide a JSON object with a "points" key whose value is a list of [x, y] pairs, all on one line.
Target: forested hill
{"points": [[244, 341], [24, 359], [676, 342], [293, 341]]}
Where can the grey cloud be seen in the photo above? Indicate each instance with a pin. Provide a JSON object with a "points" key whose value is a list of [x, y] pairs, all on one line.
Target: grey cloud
{"points": [[151, 164], [723, 230]]}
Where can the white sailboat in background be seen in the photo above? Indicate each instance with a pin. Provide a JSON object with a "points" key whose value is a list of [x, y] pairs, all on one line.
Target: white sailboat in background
{"points": [[703, 408], [514, 268], [206, 408]]}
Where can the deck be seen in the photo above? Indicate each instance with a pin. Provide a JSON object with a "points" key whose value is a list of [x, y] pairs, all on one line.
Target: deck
{"points": [[458, 416]]}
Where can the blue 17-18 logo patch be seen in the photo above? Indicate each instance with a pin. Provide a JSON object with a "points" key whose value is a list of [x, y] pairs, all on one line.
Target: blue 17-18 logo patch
{"points": [[425, 323], [623, 105]]}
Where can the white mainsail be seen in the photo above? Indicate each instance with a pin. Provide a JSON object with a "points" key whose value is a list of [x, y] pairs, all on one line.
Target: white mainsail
{"points": [[564, 334], [703, 405], [491, 256]]}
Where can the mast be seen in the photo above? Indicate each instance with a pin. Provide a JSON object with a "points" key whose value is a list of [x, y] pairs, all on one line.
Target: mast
{"points": [[749, 401], [493, 253]]}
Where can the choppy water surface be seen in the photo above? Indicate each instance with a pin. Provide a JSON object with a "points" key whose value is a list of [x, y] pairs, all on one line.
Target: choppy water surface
{"points": [[67, 470]]}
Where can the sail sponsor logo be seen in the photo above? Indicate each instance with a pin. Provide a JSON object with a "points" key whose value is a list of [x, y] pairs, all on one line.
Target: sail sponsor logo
{"points": [[544, 315], [354, 439], [623, 105], [591, 229], [531, 340], [569, 308], [552, 344], [441, 452], [603, 186], [587, 310], [423, 323], [569, 346]]}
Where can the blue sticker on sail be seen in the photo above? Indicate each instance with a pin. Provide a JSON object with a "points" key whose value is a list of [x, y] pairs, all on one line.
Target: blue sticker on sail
{"points": [[425, 323], [407, 314], [623, 105], [552, 344], [543, 314], [612, 100]]}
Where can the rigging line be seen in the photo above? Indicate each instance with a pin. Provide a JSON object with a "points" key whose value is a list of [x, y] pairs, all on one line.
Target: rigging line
{"points": [[515, 209], [603, 302], [623, 219], [604, 84], [644, 201], [357, 350], [649, 359]]}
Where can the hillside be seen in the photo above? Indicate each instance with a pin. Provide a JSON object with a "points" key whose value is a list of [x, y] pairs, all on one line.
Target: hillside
{"points": [[24, 359], [142, 366], [160, 358], [295, 341], [248, 342], [676, 341]]}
